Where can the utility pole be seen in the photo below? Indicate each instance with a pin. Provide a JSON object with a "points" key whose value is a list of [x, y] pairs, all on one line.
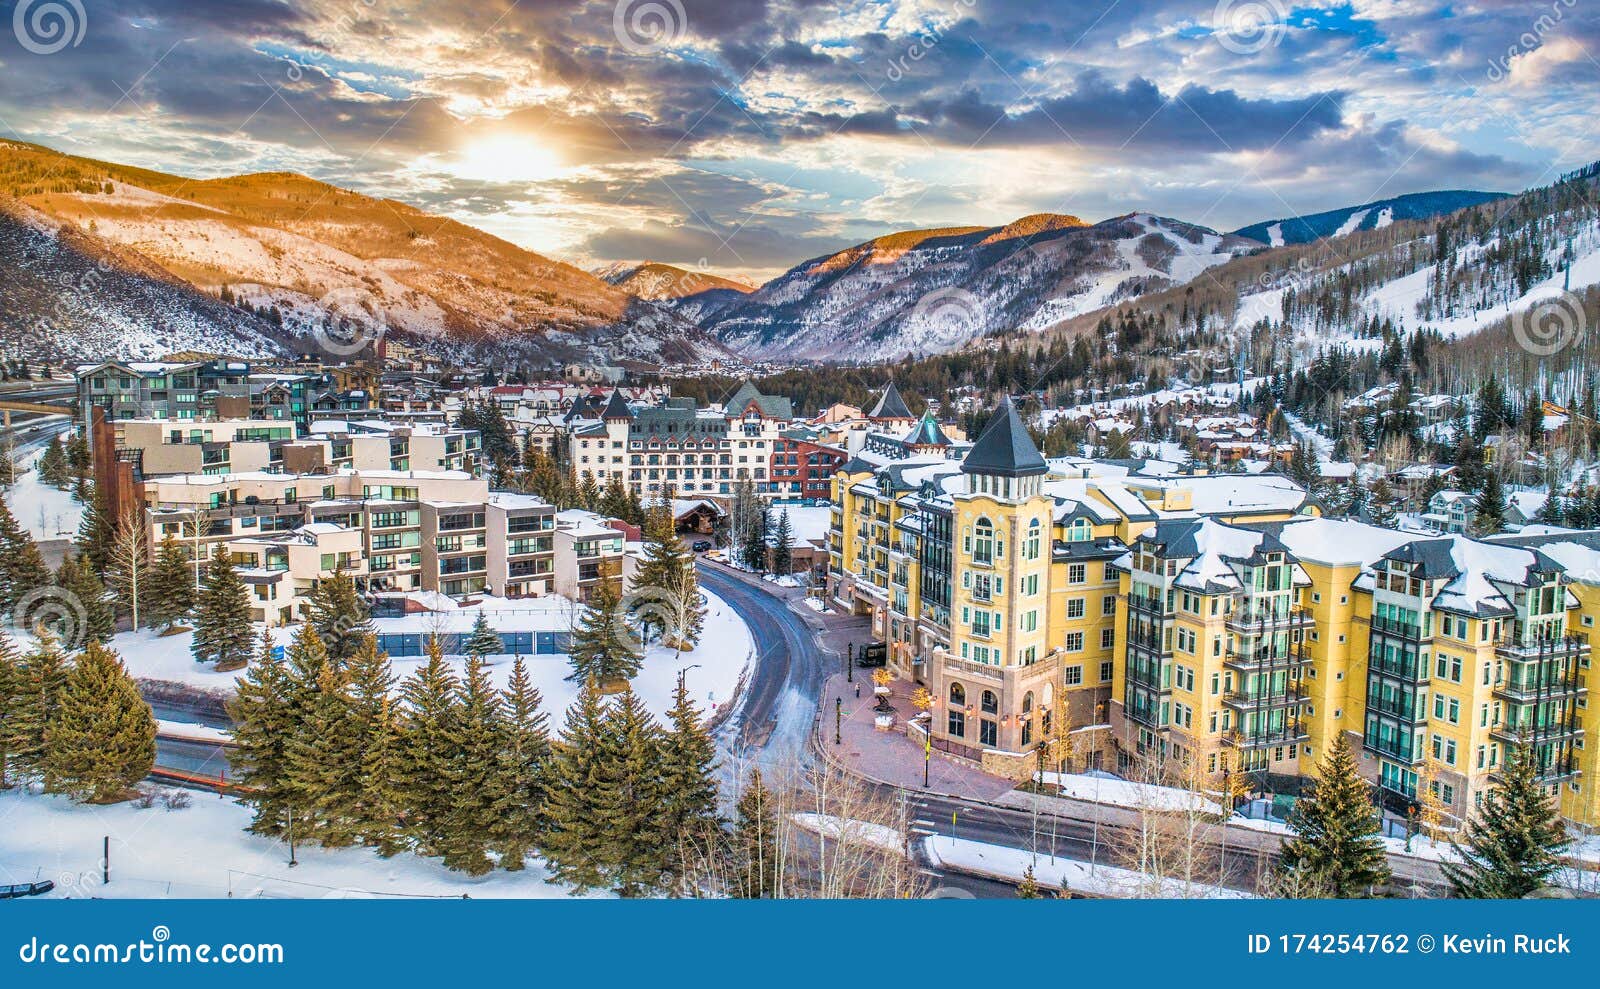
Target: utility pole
{"points": [[105, 862], [292, 862]]}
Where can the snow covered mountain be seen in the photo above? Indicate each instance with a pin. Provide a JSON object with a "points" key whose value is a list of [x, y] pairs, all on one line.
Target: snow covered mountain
{"points": [[694, 295], [306, 254], [67, 295], [1526, 261], [929, 291], [1372, 216]]}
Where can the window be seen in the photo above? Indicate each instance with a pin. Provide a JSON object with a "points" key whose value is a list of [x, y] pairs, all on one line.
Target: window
{"points": [[958, 694], [1108, 638], [1105, 671], [983, 542], [1075, 608], [958, 724], [988, 732], [1072, 676], [1076, 573], [1032, 550], [1074, 642], [1108, 604], [991, 703], [1110, 573]]}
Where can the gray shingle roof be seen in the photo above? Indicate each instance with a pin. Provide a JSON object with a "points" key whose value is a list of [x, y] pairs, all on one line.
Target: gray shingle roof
{"points": [[890, 405], [1004, 447]]}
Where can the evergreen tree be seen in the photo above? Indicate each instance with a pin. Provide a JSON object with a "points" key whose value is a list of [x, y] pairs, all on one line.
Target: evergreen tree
{"points": [[79, 459], [665, 599], [262, 714], [1381, 505], [1336, 847], [99, 619], [574, 840], [614, 501], [382, 795], [43, 675], [102, 739], [782, 559], [1490, 508], [428, 751], [340, 616], [97, 532], [484, 641], [524, 765], [52, 465], [222, 632], [171, 584], [629, 798], [13, 702], [602, 648], [755, 858], [477, 781], [1514, 842], [22, 567], [1028, 889], [8, 465], [322, 764], [688, 780]]}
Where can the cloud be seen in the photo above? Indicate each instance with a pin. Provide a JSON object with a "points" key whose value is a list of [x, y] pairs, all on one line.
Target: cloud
{"points": [[757, 133]]}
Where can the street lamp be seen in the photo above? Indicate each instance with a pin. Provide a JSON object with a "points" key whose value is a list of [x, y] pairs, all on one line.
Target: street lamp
{"points": [[838, 719]]}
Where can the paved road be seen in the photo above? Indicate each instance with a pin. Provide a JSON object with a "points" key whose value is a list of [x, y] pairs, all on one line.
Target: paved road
{"points": [[772, 725]]}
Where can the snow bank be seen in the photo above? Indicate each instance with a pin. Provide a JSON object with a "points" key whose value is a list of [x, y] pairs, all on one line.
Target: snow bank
{"points": [[1125, 793], [852, 832], [1072, 875]]}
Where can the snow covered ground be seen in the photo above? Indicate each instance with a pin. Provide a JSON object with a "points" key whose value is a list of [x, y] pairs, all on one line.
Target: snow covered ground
{"points": [[1100, 880], [721, 657], [43, 510], [202, 852], [1125, 793]]}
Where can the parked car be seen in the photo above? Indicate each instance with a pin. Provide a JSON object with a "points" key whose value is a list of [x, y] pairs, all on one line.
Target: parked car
{"points": [[701, 545], [20, 890]]}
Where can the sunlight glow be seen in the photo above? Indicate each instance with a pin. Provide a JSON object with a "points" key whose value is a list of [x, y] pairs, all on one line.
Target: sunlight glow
{"points": [[505, 158]]}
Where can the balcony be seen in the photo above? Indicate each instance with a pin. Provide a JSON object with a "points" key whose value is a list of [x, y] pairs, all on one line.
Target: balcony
{"points": [[1248, 700], [1150, 607], [1266, 660], [1262, 622], [1407, 630], [1288, 733], [1520, 690], [1531, 734]]}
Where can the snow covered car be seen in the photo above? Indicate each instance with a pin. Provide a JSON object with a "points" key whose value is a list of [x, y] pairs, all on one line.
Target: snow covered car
{"points": [[19, 890]]}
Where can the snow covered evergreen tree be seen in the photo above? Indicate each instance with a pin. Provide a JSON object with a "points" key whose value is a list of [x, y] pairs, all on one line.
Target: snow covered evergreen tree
{"points": [[428, 751], [261, 713], [525, 758], [603, 650]]}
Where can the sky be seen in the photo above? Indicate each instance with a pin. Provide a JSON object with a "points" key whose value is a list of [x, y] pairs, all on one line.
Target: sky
{"points": [[745, 136]]}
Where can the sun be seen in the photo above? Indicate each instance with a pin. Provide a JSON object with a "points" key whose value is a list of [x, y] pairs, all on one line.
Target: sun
{"points": [[505, 158]]}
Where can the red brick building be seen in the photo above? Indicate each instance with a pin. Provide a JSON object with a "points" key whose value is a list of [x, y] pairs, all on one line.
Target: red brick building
{"points": [[799, 468]]}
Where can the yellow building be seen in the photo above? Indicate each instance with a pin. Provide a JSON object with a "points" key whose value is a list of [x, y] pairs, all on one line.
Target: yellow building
{"points": [[1217, 626]]}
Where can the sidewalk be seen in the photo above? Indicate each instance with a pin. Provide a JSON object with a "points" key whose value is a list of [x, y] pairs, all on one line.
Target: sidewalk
{"points": [[890, 756]]}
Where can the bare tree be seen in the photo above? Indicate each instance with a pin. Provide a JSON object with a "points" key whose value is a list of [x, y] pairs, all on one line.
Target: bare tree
{"points": [[130, 560]]}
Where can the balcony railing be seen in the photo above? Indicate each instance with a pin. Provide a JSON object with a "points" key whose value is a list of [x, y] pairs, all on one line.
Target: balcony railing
{"points": [[1256, 700], [1529, 734], [1266, 660], [1247, 622], [1409, 630], [1288, 733], [1151, 607], [1524, 689]]}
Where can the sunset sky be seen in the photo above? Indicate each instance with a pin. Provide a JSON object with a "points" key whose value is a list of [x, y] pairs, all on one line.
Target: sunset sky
{"points": [[756, 134]]}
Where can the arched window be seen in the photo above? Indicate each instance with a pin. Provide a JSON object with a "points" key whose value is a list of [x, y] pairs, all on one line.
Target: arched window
{"points": [[1034, 531], [991, 703], [1027, 703], [1080, 532], [958, 694], [983, 541]]}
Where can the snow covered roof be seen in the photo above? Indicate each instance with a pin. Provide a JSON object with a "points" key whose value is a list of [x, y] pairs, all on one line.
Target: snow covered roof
{"points": [[1212, 548]]}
